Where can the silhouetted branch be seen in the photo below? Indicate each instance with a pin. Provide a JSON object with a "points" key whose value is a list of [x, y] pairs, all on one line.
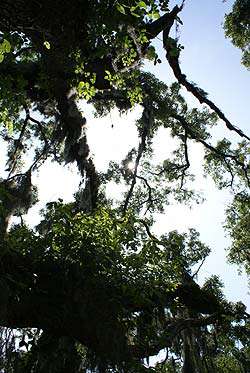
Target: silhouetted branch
{"points": [[165, 22], [208, 146], [173, 59], [147, 119], [174, 328]]}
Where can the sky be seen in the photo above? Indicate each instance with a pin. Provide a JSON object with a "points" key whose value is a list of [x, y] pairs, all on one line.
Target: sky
{"points": [[214, 64]]}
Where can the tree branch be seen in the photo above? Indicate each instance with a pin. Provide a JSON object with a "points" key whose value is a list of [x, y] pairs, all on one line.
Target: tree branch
{"points": [[208, 146], [165, 22], [147, 119], [173, 59], [170, 333]]}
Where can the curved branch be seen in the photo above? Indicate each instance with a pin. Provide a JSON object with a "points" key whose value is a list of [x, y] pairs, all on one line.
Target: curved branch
{"points": [[173, 59], [147, 119], [170, 333], [208, 146], [165, 22]]}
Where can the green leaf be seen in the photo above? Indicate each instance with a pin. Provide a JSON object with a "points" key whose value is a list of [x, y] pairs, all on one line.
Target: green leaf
{"points": [[6, 47], [9, 126], [81, 85], [47, 44], [121, 9], [135, 15], [142, 5], [151, 54], [156, 15]]}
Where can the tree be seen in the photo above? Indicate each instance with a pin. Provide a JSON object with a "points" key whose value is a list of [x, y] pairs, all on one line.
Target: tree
{"points": [[237, 28], [238, 222], [91, 287]]}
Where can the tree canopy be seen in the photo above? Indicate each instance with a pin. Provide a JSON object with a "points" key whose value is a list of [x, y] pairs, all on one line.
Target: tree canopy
{"points": [[237, 28], [91, 288]]}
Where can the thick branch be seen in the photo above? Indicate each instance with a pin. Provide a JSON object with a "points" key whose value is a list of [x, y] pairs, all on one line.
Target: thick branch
{"points": [[173, 59], [165, 22]]}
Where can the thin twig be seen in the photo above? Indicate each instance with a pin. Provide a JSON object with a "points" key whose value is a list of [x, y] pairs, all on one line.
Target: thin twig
{"points": [[147, 121], [40, 128], [224, 156], [148, 187], [198, 269]]}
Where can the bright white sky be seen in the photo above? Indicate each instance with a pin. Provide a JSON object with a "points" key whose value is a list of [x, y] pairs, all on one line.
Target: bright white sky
{"points": [[214, 64]]}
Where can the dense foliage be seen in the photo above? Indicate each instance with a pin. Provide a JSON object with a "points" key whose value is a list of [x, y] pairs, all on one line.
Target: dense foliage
{"points": [[91, 288], [237, 28]]}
